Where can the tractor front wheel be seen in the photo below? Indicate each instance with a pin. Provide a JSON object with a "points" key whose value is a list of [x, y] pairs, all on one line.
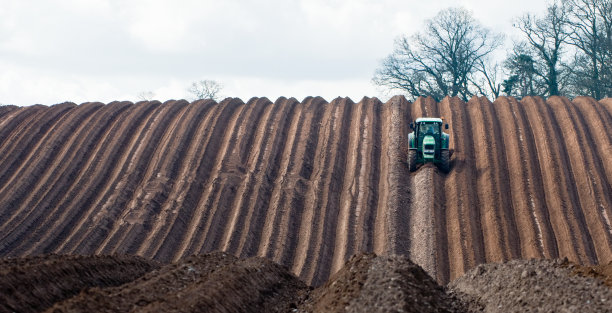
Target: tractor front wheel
{"points": [[444, 164], [412, 160]]}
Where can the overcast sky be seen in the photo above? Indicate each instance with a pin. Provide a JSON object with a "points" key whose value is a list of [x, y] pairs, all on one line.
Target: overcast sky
{"points": [[53, 51]]}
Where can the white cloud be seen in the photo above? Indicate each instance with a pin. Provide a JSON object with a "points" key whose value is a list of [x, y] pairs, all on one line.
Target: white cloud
{"points": [[159, 25], [108, 49], [23, 86]]}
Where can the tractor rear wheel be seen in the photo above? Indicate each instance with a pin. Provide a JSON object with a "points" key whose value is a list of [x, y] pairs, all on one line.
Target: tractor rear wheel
{"points": [[412, 160], [444, 161]]}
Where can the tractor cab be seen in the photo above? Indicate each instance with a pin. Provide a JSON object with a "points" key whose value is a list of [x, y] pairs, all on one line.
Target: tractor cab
{"points": [[428, 143]]}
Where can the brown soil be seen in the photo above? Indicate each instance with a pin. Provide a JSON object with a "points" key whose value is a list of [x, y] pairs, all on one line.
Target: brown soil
{"points": [[341, 288], [220, 282], [530, 286], [380, 284], [215, 282], [308, 184], [35, 283], [602, 272]]}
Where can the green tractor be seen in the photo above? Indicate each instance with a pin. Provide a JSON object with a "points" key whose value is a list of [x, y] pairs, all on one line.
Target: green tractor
{"points": [[428, 143]]}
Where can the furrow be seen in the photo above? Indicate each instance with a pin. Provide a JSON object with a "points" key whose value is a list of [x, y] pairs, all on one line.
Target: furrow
{"points": [[273, 167], [535, 183], [590, 173], [108, 156], [219, 197], [466, 247], [6, 110], [58, 185], [71, 185], [430, 107], [199, 211], [517, 161], [29, 193], [441, 256], [472, 205], [369, 177], [33, 152], [606, 108], [349, 190], [12, 131], [140, 156], [290, 175], [500, 226], [397, 214], [233, 164], [439, 219], [596, 121], [254, 154], [153, 211], [555, 191], [359, 229], [19, 136], [125, 227], [484, 166], [420, 108], [381, 230], [320, 145], [455, 232], [327, 217], [178, 206], [501, 174], [304, 172], [570, 173], [285, 174], [599, 130], [292, 210]]}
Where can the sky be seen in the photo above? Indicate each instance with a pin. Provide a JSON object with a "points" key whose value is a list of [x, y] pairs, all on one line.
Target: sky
{"points": [[52, 51]]}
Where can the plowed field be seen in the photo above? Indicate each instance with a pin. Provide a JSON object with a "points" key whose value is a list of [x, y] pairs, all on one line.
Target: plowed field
{"points": [[308, 184]]}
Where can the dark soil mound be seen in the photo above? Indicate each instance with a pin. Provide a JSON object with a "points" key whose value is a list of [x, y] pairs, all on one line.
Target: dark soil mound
{"points": [[33, 284], [531, 286], [220, 282], [381, 284], [342, 287], [216, 282]]}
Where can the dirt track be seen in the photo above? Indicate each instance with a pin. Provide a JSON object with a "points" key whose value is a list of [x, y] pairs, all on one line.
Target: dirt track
{"points": [[308, 184]]}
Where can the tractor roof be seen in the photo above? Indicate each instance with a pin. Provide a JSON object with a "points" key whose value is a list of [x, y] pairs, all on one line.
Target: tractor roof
{"points": [[429, 120]]}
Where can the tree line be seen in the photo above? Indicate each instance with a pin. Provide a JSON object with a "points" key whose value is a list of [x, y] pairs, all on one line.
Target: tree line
{"points": [[566, 50]]}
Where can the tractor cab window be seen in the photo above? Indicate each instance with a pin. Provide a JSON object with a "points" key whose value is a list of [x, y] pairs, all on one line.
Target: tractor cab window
{"points": [[429, 129]]}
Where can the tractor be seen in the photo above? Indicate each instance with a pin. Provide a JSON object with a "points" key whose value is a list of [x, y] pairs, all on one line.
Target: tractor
{"points": [[428, 143]]}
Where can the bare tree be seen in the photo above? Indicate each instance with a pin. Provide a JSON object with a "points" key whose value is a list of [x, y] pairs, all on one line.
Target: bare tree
{"points": [[490, 76], [146, 95], [205, 89], [546, 36], [440, 61], [590, 23]]}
